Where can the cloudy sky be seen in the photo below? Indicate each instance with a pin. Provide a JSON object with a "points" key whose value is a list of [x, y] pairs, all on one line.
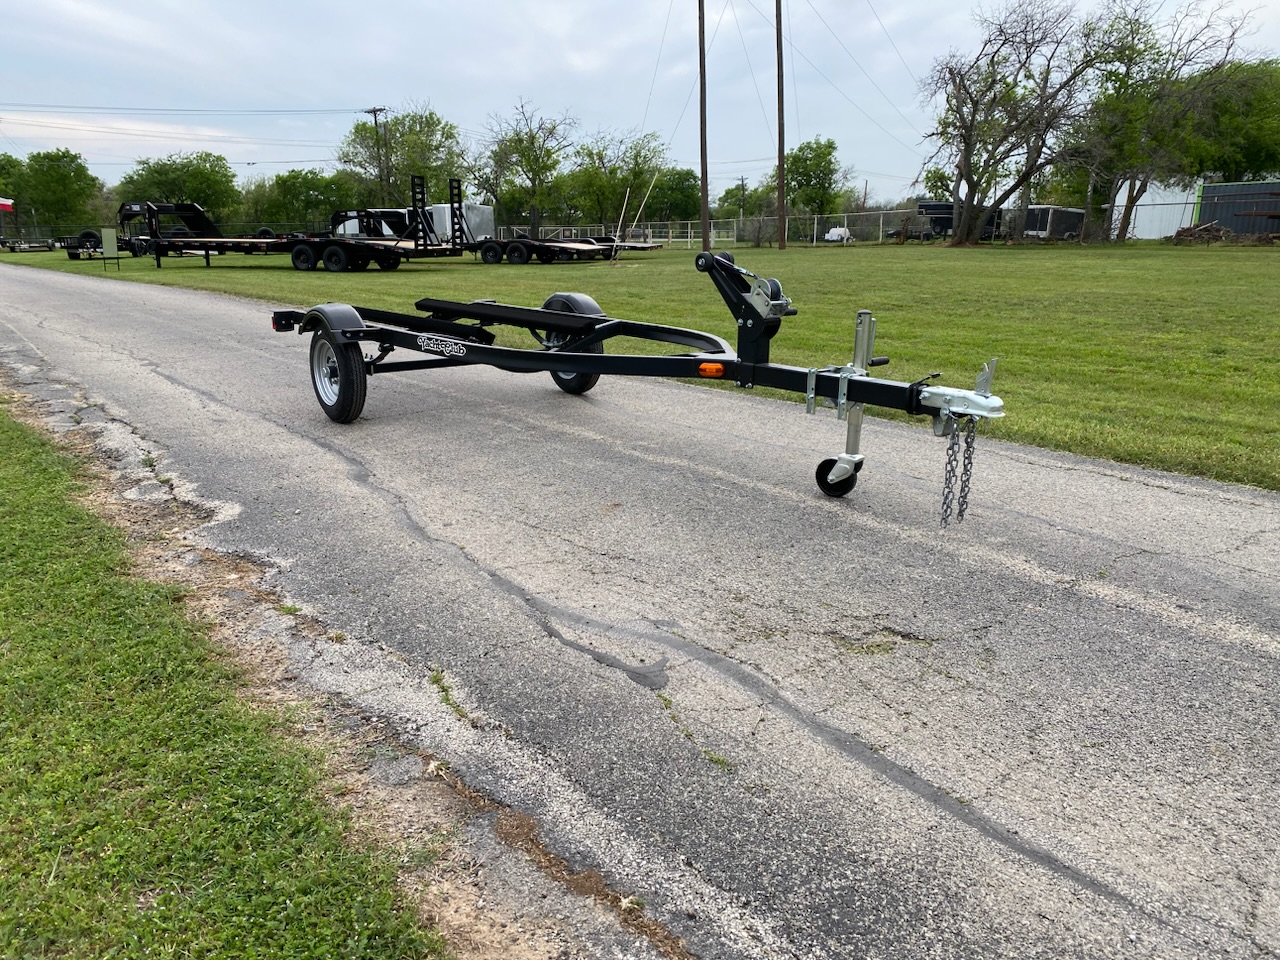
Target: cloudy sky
{"points": [[273, 86]]}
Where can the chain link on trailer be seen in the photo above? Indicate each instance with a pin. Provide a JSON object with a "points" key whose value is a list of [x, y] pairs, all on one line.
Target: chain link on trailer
{"points": [[966, 474], [949, 476], [951, 505]]}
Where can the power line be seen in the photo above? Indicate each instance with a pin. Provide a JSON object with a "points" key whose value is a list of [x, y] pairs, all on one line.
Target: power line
{"points": [[168, 134], [870, 78], [174, 111], [892, 44]]}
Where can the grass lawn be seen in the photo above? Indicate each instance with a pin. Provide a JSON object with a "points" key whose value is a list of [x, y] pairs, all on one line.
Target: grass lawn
{"points": [[144, 810], [1148, 354]]}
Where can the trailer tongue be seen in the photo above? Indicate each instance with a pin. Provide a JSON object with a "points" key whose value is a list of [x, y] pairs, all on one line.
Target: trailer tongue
{"points": [[571, 330]]}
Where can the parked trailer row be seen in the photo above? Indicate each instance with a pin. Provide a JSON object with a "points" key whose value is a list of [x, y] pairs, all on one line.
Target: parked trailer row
{"points": [[335, 251], [359, 238]]}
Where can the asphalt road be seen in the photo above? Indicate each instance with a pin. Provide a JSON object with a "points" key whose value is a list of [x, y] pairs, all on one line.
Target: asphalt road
{"points": [[792, 726]]}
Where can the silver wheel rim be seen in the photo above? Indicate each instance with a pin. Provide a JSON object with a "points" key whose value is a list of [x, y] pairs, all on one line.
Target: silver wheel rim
{"points": [[324, 371]]}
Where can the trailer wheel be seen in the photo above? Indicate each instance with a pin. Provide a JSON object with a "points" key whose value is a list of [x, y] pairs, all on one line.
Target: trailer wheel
{"points": [[575, 383], [517, 253], [491, 253], [358, 263], [546, 256], [303, 257], [389, 263], [841, 487], [338, 375], [335, 259]]}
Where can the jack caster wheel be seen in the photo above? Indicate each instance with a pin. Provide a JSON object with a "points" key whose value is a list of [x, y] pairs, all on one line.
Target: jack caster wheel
{"points": [[841, 487]]}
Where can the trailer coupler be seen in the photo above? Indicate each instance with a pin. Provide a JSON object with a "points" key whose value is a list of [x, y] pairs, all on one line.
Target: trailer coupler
{"points": [[949, 407]]}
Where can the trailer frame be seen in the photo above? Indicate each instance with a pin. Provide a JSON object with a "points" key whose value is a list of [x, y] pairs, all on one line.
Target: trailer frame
{"points": [[571, 331]]}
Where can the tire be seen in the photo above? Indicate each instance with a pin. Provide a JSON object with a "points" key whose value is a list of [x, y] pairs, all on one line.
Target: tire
{"points": [[338, 376], [358, 263], [841, 487], [335, 259], [303, 257], [491, 253], [389, 263], [90, 239], [517, 253], [546, 256], [265, 233], [574, 383]]}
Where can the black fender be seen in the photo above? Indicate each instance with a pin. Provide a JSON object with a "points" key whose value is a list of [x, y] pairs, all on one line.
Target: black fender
{"points": [[332, 316], [324, 316], [573, 303]]}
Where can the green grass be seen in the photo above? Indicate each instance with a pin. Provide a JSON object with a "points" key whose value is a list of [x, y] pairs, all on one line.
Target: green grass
{"points": [[1148, 354], [144, 809]]}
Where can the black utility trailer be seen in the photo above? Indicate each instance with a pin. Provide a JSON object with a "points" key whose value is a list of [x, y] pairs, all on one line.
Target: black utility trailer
{"points": [[571, 330], [197, 234], [525, 249]]}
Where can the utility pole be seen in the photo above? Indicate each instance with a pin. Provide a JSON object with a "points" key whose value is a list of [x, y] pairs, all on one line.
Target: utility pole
{"points": [[702, 85], [376, 112], [782, 146], [742, 198]]}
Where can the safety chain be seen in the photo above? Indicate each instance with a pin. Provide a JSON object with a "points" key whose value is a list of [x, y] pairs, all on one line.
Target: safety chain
{"points": [[949, 477], [949, 502]]}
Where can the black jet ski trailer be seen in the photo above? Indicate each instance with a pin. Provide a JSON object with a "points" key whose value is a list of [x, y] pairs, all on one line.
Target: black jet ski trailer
{"points": [[349, 343]]}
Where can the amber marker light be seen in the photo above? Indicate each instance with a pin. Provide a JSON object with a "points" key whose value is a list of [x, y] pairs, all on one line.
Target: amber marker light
{"points": [[711, 369]]}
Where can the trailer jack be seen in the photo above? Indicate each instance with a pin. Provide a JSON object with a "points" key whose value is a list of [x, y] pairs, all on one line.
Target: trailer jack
{"points": [[570, 330]]}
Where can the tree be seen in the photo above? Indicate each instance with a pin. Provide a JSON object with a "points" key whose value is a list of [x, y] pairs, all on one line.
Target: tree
{"points": [[814, 177], [1007, 108], [54, 186], [676, 195], [521, 159], [612, 173], [937, 184], [1239, 134], [1159, 90], [413, 141], [204, 178]]}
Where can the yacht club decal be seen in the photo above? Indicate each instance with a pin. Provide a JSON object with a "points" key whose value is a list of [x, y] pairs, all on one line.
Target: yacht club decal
{"points": [[448, 348]]}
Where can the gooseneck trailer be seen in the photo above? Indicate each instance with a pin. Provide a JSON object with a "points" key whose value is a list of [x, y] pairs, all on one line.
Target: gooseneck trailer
{"points": [[196, 233], [349, 344]]}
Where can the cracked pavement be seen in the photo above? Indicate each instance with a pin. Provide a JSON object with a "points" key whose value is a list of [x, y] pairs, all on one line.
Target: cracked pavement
{"points": [[791, 726]]}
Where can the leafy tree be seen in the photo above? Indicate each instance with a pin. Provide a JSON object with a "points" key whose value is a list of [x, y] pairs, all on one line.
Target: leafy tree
{"points": [[612, 173], [1159, 87], [743, 201], [1007, 108], [676, 195], [10, 170], [416, 140], [55, 184], [204, 178], [937, 184], [814, 178], [1238, 137], [520, 160]]}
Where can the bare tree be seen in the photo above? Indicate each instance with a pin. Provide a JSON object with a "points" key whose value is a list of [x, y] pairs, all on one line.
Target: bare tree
{"points": [[1006, 108], [521, 158]]}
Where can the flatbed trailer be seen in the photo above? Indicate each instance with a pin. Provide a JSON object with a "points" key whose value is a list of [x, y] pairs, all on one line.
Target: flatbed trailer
{"points": [[571, 330], [306, 251], [525, 249]]}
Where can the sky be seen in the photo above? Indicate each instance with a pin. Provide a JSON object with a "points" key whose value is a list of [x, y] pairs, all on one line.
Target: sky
{"points": [[275, 86]]}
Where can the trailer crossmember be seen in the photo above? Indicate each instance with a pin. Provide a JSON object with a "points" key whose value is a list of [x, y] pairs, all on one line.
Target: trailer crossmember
{"points": [[571, 331]]}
